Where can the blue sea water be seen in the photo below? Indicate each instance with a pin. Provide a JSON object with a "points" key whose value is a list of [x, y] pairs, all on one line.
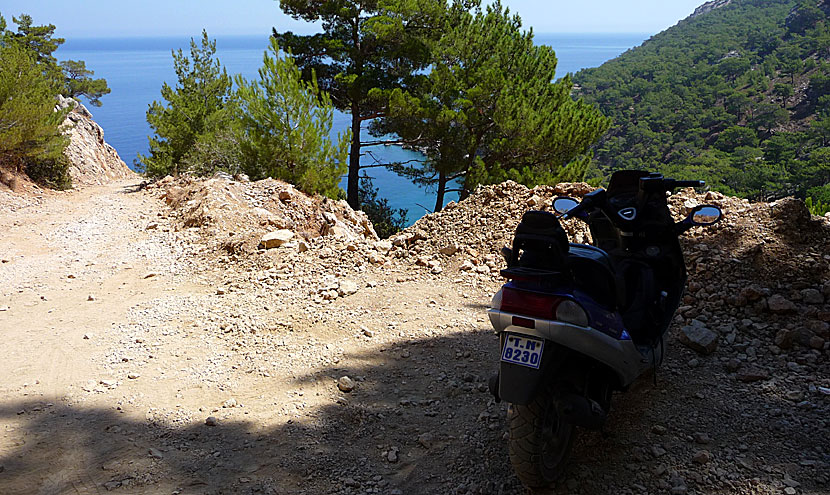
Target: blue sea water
{"points": [[135, 69]]}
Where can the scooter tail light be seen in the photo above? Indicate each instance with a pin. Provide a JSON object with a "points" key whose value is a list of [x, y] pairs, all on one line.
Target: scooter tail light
{"points": [[528, 303]]}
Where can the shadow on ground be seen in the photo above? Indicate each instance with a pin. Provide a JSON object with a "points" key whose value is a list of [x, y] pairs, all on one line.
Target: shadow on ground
{"points": [[420, 421]]}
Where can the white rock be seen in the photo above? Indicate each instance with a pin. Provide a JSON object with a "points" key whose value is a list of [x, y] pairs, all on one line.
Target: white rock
{"points": [[276, 238], [345, 384], [346, 288], [383, 246]]}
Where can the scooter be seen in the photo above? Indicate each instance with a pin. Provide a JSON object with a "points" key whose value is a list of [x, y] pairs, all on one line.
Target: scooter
{"points": [[577, 322]]}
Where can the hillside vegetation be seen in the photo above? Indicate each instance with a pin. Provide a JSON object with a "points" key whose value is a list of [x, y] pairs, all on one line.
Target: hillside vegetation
{"points": [[738, 93]]}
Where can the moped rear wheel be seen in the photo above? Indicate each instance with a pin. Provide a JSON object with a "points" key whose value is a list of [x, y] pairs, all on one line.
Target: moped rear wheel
{"points": [[539, 442]]}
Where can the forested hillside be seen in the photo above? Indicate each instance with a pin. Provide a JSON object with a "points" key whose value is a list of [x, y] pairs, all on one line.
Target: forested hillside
{"points": [[737, 94]]}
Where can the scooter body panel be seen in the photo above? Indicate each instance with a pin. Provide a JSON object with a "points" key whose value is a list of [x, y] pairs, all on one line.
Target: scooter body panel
{"points": [[622, 356]]}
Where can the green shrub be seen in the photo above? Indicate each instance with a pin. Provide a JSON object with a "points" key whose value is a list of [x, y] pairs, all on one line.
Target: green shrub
{"points": [[286, 124], [386, 220], [30, 128]]}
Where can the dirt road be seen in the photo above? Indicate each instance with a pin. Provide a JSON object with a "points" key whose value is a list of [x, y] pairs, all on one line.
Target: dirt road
{"points": [[137, 361]]}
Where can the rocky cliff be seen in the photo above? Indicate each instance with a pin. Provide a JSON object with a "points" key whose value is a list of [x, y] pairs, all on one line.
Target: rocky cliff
{"points": [[708, 7], [92, 160]]}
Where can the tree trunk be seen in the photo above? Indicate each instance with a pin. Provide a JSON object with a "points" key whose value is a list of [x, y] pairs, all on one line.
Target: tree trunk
{"points": [[442, 187], [354, 160]]}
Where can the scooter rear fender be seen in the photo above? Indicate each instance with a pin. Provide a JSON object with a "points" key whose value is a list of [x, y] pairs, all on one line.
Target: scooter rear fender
{"points": [[622, 356]]}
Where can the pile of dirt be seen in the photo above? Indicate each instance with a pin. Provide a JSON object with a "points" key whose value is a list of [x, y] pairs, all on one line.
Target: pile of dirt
{"points": [[767, 261], [237, 216], [469, 235]]}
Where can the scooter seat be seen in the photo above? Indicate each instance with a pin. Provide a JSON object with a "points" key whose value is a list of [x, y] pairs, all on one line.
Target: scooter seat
{"points": [[593, 273]]}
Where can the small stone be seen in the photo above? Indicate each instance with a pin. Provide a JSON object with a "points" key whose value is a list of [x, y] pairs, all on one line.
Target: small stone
{"points": [[229, 403], [112, 485], [817, 342], [702, 457], [90, 298], [302, 246], [702, 438], [87, 336], [211, 421], [427, 440], [368, 333], [781, 305], [392, 455], [752, 375], [784, 338], [795, 395], [156, 453], [812, 296], [383, 246], [108, 383], [151, 274], [350, 482], [133, 376], [152, 225], [791, 482], [679, 490], [346, 288], [285, 195], [733, 365], [276, 238], [449, 250], [790, 491], [345, 384], [658, 430], [220, 292], [466, 266], [699, 338]]}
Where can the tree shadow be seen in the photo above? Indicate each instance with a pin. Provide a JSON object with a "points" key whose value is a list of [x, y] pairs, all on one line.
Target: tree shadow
{"points": [[419, 421]]}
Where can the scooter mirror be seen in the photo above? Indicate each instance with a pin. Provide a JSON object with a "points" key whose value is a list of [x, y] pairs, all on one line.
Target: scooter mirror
{"points": [[564, 204], [705, 215]]}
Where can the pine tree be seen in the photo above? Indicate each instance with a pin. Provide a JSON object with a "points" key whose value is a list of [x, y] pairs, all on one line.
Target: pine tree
{"points": [[193, 106], [364, 46], [72, 77], [78, 82], [491, 111], [287, 124]]}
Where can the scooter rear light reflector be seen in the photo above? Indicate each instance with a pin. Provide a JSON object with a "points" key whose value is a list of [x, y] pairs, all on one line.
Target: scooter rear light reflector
{"points": [[572, 312], [529, 303], [524, 322]]}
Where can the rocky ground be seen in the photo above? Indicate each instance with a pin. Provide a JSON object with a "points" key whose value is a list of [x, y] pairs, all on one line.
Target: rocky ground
{"points": [[153, 345]]}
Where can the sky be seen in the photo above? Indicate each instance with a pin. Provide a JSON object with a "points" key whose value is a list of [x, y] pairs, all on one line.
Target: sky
{"points": [[126, 18]]}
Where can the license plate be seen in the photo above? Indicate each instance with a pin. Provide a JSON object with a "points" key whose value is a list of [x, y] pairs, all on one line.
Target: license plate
{"points": [[523, 351]]}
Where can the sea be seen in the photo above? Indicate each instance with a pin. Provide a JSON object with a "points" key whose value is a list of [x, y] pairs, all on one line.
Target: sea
{"points": [[136, 68]]}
